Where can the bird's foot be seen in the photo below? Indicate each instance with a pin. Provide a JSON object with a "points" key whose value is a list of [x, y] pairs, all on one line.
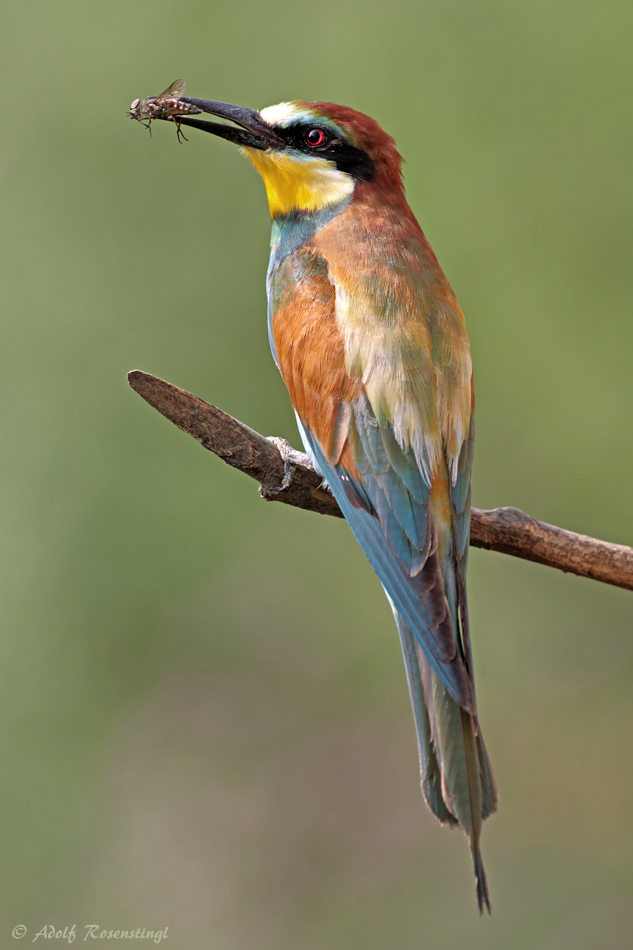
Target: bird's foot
{"points": [[291, 458]]}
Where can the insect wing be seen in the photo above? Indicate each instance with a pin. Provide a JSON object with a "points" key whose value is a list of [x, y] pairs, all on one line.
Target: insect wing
{"points": [[175, 91]]}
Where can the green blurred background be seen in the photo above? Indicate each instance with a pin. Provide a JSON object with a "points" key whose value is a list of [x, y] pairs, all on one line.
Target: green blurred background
{"points": [[204, 717]]}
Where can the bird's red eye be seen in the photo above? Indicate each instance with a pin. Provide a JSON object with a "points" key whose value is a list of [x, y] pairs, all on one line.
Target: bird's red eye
{"points": [[315, 137]]}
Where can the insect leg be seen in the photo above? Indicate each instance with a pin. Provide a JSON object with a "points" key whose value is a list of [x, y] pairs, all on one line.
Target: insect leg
{"points": [[179, 133]]}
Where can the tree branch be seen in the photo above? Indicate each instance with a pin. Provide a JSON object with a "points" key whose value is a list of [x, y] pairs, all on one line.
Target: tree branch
{"points": [[272, 462]]}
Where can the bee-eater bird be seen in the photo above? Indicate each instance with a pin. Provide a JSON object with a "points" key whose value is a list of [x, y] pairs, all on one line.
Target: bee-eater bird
{"points": [[372, 346]]}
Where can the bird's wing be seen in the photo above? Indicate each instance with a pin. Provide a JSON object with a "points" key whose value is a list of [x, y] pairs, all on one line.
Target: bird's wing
{"points": [[387, 492]]}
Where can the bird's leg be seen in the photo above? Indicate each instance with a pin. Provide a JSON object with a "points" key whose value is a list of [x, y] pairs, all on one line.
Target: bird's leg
{"points": [[291, 458]]}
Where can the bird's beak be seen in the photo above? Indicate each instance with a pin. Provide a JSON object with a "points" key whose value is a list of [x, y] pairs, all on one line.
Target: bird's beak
{"points": [[253, 131]]}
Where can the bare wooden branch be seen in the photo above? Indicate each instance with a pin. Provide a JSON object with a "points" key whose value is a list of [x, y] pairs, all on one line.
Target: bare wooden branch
{"points": [[511, 531], [287, 476], [237, 445]]}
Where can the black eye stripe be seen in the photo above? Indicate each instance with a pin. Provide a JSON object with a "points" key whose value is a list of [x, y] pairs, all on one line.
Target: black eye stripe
{"points": [[346, 157]]}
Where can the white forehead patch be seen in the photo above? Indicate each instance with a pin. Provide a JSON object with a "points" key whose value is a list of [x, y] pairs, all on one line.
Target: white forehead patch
{"points": [[284, 114]]}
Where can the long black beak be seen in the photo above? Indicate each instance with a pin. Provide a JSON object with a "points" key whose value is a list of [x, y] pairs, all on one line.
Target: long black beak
{"points": [[253, 130]]}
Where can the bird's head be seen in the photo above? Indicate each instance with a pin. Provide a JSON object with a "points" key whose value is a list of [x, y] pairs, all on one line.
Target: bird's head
{"points": [[311, 155]]}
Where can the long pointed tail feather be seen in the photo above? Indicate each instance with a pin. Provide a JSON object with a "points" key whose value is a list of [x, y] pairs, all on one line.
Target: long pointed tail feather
{"points": [[483, 899], [456, 777]]}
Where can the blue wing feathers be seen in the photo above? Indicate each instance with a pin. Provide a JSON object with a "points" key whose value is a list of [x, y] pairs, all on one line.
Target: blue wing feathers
{"points": [[420, 598], [398, 539], [406, 468], [401, 510], [371, 444], [461, 498]]}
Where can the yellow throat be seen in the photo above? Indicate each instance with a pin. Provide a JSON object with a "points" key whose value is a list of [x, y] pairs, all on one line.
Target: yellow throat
{"points": [[299, 183]]}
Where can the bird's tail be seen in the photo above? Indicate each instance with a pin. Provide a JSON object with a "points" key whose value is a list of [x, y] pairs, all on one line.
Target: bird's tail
{"points": [[457, 779]]}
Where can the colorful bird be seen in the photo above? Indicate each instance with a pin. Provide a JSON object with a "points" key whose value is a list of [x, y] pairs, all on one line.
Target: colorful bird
{"points": [[372, 346]]}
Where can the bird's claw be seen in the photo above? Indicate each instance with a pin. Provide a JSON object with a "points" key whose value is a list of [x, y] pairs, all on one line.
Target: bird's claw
{"points": [[291, 458]]}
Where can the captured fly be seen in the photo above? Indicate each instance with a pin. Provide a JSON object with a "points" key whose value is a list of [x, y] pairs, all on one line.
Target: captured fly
{"points": [[166, 106]]}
